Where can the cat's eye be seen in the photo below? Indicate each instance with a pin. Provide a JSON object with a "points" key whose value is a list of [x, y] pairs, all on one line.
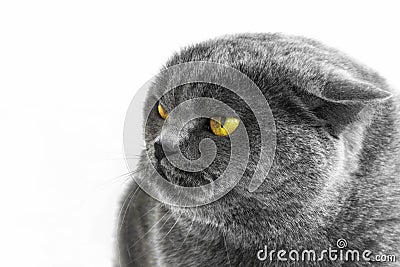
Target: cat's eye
{"points": [[223, 126], [162, 112]]}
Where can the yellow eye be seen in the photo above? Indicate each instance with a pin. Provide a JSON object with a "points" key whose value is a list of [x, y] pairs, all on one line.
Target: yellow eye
{"points": [[223, 128], [162, 112]]}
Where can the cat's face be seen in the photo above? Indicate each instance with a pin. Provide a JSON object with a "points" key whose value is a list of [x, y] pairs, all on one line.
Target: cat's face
{"points": [[160, 138], [305, 154]]}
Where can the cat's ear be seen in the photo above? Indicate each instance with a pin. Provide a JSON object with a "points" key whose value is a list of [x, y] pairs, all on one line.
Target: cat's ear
{"points": [[342, 87], [344, 99]]}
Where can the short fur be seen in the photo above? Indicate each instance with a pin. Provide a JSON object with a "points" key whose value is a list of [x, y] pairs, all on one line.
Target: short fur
{"points": [[335, 173]]}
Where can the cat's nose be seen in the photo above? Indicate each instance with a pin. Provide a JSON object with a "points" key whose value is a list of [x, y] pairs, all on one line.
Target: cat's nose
{"points": [[165, 145]]}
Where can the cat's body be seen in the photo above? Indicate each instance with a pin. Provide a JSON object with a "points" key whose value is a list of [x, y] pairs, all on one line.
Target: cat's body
{"points": [[330, 181]]}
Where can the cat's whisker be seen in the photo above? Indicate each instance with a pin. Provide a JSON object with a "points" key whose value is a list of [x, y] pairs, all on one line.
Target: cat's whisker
{"points": [[190, 228], [148, 244], [130, 173], [126, 174], [198, 239], [147, 212], [177, 220], [151, 228], [166, 220], [124, 209]]}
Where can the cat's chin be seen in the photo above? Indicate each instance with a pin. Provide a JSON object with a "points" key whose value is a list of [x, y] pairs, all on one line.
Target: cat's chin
{"points": [[179, 177]]}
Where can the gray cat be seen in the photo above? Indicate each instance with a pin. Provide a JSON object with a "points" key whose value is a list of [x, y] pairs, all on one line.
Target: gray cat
{"points": [[334, 177]]}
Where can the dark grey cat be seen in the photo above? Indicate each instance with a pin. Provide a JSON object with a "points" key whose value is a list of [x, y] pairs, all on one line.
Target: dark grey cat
{"points": [[335, 174]]}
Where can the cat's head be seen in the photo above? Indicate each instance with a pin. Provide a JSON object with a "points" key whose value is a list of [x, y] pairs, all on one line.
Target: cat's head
{"points": [[320, 101]]}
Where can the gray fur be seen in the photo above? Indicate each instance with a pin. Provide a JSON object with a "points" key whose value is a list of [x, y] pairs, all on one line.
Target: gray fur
{"points": [[335, 173]]}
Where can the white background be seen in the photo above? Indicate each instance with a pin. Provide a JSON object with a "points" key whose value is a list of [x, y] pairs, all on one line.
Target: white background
{"points": [[69, 69]]}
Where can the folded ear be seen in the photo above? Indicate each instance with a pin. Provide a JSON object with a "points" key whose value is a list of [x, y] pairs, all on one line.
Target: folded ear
{"points": [[342, 87], [342, 98]]}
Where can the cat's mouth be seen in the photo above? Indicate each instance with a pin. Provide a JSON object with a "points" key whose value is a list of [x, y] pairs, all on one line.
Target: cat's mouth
{"points": [[180, 177]]}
